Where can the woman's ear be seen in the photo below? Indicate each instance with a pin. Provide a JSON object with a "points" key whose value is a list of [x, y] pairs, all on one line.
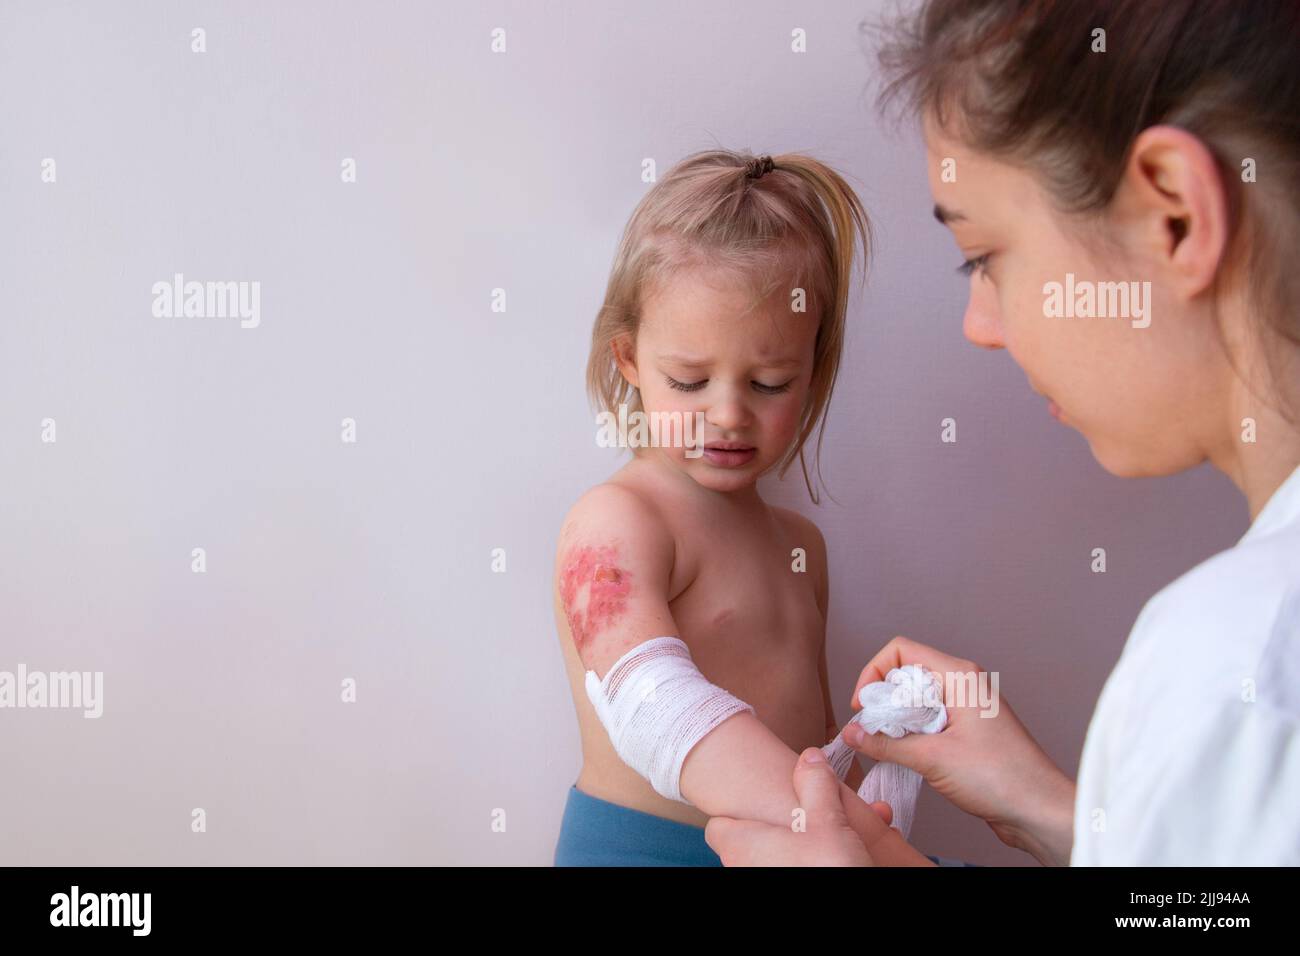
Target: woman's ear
{"points": [[1173, 190], [624, 353]]}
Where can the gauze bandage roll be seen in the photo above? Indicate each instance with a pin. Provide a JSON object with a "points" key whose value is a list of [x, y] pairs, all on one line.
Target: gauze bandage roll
{"points": [[656, 706], [908, 701]]}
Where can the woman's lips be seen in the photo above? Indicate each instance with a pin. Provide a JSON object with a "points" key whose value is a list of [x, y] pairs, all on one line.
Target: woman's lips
{"points": [[729, 455]]}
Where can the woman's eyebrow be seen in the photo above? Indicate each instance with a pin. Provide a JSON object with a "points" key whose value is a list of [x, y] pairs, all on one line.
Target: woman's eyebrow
{"points": [[946, 216]]}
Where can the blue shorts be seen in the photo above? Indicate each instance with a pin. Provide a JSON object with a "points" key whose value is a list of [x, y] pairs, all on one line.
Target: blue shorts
{"points": [[595, 832]]}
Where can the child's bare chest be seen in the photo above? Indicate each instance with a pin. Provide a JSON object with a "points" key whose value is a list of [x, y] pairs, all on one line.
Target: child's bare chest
{"points": [[751, 619]]}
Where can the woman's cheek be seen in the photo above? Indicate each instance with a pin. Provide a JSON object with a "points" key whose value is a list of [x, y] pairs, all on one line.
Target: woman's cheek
{"points": [[1021, 324]]}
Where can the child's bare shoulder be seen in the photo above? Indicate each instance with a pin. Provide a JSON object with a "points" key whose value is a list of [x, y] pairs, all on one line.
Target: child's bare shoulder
{"points": [[802, 529], [622, 521], [615, 509], [805, 534]]}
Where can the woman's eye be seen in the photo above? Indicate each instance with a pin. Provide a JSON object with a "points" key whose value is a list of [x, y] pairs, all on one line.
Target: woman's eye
{"points": [[686, 386], [772, 389], [980, 263]]}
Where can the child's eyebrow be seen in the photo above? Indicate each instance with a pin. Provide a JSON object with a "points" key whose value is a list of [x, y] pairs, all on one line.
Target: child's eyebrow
{"points": [[683, 360], [689, 362]]}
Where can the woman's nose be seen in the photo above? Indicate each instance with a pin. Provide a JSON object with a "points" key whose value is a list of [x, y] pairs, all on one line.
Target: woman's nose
{"points": [[982, 325]]}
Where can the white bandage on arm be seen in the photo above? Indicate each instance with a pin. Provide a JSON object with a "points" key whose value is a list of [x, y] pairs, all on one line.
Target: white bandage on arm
{"points": [[656, 705]]}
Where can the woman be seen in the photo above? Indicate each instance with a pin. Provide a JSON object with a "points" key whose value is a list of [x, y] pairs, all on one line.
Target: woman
{"points": [[1122, 178]]}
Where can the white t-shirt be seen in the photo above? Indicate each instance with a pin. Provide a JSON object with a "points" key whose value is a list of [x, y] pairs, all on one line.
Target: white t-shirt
{"points": [[1193, 754]]}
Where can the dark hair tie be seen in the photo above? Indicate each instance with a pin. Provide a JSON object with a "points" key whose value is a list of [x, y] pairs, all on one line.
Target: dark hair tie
{"points": [[759, 166]]}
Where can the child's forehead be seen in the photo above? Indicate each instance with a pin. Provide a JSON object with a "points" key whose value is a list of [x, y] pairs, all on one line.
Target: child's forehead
{"points": [[715, 293], [702, 319]]}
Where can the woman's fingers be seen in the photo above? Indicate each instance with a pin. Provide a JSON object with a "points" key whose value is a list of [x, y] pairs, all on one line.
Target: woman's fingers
{"points": [[914, 750], [832, 836], [892, 850], [885, 844], [903, 650], [863, 817], [738, 842]]}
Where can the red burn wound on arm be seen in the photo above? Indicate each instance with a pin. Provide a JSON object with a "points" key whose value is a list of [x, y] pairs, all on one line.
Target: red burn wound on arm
{"points": [[593, 573]]}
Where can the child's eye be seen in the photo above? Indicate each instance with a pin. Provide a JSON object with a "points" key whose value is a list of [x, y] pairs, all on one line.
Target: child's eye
{"points": [[686, 386], [970, 265], [772, 389]]}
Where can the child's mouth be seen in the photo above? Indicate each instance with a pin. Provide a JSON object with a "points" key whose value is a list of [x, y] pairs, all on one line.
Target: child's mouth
{"points": [[728, 454]]}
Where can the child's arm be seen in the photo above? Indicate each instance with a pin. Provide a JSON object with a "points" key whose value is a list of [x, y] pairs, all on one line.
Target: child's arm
{"points": [[614, 565]]}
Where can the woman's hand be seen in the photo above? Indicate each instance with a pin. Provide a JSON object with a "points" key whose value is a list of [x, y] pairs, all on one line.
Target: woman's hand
{"points": [[826, 837], [984, 761]]}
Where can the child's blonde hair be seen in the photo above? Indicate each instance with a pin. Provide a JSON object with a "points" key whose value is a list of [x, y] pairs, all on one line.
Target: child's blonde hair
{"points": [[788, 219]]}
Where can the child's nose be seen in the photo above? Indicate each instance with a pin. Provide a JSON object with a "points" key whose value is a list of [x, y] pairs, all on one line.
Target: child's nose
{"points": [[729, 412]]}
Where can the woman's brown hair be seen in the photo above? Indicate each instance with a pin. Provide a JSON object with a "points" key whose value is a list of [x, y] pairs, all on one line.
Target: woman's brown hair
{"points": [[1027, 81]]}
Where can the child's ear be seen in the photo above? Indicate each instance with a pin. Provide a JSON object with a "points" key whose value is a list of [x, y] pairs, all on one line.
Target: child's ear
{"points": [[625, 358]]}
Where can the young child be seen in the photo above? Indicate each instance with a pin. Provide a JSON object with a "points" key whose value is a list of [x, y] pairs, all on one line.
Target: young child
{"points": [[727, 298]]}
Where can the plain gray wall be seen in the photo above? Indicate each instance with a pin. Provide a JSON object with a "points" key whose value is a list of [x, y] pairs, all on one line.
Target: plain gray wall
{"points": [[372, 560]]}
